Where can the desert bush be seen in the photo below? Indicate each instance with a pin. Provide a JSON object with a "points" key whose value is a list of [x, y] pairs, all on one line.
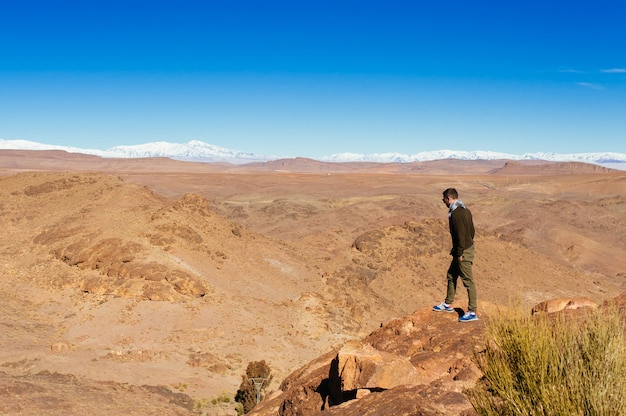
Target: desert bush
{"points": [[247, 393], [205, 406], [553, 365], [222, 398]]}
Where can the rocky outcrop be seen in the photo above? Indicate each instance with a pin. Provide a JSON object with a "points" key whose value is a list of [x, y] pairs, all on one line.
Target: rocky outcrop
{"points": [[121, 271], [560, 304], [416, 365]]}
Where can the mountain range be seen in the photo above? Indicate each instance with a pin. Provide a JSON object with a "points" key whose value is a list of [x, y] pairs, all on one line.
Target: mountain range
{"points": [[199, 151]]}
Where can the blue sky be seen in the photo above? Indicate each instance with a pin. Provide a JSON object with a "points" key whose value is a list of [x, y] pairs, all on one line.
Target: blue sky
{"points": [[315, 77]]}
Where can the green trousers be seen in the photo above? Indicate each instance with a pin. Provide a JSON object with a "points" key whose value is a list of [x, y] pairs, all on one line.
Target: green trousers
{"points": [[462, 269]]}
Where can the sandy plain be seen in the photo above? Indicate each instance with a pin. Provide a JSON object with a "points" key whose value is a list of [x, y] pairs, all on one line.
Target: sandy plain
{"points": [[146, 286]]}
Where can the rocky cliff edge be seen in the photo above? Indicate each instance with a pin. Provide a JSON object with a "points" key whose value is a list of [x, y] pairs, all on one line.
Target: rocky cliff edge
{"points": [[416, 365]]}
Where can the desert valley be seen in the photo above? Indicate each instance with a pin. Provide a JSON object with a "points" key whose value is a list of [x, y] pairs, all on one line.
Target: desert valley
{"points": [[146, 286]]}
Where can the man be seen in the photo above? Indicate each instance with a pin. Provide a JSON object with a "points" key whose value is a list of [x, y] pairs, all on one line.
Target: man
{"points": [[462, 232]]}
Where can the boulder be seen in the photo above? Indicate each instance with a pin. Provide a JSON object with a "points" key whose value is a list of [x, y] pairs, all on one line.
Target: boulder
{"points": [[361, 366]]}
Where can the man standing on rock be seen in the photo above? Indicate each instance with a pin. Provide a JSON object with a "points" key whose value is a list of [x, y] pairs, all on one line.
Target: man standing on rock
{"points": [[462, 232]]}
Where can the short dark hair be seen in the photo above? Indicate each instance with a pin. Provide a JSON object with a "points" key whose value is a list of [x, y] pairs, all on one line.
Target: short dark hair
{"points": [[451, 193]]}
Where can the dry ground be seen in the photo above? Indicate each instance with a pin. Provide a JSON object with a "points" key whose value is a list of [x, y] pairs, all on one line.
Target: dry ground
{"points": [[118, 274]]}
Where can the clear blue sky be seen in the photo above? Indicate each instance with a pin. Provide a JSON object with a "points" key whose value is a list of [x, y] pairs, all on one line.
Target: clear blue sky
{"points": [[315, 77]]}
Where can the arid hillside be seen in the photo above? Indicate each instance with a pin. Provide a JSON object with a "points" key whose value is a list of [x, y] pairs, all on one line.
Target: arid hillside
{"points": [[157, 281]]}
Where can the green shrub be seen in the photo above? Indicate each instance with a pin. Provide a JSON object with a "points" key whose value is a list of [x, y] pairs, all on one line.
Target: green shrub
{"points": [[553, 365], [247, 393]]}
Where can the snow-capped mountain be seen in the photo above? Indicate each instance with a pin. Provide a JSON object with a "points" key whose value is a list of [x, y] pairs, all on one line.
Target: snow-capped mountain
{"points": [[195, 150], [596, 158]]}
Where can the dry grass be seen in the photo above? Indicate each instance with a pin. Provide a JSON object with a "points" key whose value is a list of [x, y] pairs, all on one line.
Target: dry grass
{"points": [[553, 365]]}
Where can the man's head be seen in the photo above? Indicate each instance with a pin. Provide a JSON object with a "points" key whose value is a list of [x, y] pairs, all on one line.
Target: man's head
{"points": [[449, 196]]}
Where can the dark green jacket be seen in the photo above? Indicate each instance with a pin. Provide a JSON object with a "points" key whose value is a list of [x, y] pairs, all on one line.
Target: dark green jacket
{"points": [[461, 230]]}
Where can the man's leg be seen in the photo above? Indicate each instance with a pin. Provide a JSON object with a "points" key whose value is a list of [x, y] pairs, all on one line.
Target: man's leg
{"points": [[453, 275], [467, 277]]}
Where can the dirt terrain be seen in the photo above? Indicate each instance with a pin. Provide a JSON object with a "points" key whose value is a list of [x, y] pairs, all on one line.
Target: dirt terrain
{"points": [[145, 286]]}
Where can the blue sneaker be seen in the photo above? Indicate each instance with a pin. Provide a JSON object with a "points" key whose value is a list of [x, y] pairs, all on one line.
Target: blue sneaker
{"points": [[443, 307], [468, 317]]}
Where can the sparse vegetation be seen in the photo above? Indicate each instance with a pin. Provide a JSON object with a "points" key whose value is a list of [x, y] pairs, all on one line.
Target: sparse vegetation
{"points": [[205, 405], [256, 372], [222, 398], [553, 365], [181, 387]]}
